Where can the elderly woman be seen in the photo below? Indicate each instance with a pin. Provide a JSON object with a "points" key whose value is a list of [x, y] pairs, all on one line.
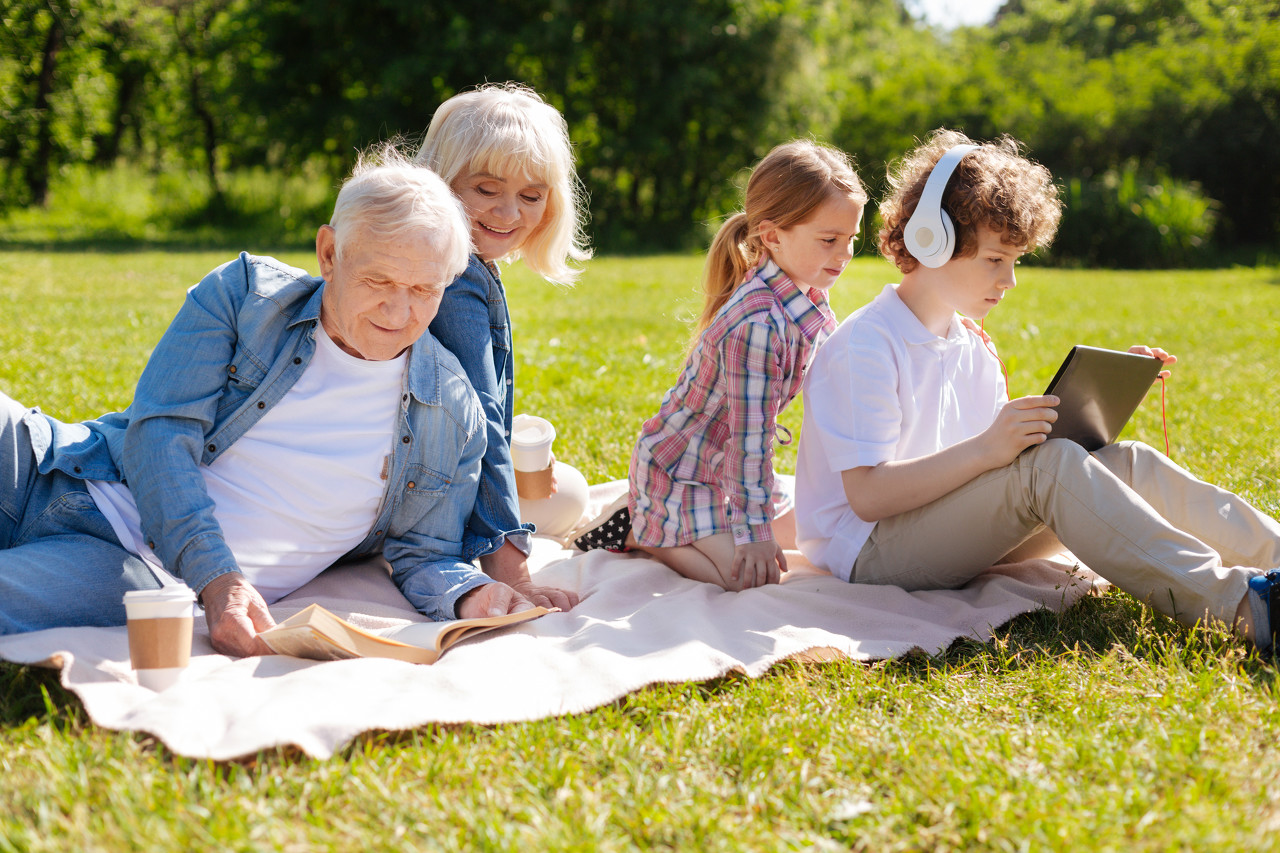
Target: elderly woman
{"points": [[506, 154]]}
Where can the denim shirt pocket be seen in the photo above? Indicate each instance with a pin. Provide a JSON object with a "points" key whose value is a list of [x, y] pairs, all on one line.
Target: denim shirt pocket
{"points": [[423, 489], [244, 375]]}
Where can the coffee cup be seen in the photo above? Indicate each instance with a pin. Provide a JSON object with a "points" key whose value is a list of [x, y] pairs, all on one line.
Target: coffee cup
{"points": [[531, 438], [160, 626]]}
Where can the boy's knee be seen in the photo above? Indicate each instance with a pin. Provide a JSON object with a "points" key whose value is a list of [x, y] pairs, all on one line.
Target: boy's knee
{"points": [[1056, 452]]}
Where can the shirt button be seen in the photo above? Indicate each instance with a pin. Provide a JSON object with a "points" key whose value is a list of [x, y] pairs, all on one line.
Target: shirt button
{"points": [[212, 448], [412, 484], [231, 369], [406, 439], [261, 405], [151, 543], [76, 469], [297, 361], [377, 533]]}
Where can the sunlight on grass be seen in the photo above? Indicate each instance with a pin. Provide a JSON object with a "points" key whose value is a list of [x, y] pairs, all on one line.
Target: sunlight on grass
{"points": [[1105, 728]]}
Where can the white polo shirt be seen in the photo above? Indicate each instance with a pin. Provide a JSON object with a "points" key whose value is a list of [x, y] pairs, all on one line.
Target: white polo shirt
{"points": [[883, 388]]}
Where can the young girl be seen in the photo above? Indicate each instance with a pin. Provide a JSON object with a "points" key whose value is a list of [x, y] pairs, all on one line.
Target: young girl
{"points": [[506, 153], [701, 496]]}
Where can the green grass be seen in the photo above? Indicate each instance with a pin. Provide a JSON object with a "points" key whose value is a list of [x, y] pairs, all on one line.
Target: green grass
{"points": [[1105, 728]]}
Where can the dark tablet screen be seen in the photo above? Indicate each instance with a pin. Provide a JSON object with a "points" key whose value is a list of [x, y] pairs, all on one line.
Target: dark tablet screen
{"points": [[1100, 390]]}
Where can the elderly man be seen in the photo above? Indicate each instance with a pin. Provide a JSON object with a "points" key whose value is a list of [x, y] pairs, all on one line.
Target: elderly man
{"points": [[283, 422]]}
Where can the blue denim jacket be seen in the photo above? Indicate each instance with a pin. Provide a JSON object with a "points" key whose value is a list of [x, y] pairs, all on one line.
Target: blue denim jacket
{"points": [[474, 302], [242, 338]]}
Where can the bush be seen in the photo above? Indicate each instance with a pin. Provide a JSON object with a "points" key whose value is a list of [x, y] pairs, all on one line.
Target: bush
{"points": [[1130, 220]]}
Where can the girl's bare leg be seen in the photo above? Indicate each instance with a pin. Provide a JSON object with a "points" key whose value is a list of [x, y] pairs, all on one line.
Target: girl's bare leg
{"points": [[709, 560]]}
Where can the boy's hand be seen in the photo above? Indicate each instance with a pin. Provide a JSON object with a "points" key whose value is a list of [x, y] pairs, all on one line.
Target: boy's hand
{"points": [[756, 564], [1021, 423], [1156, 352]]}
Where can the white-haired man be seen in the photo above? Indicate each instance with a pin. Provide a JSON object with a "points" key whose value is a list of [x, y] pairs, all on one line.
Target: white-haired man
{"points": [[283, 422]]}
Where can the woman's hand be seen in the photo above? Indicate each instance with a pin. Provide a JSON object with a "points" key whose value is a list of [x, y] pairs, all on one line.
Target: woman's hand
{"points": [[492, 599]]}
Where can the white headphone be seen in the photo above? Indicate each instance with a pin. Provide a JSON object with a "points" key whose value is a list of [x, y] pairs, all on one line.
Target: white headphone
{"points": [[930, 235]]}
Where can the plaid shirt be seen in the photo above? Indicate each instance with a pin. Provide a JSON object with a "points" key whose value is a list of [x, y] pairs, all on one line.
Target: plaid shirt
{"points": [[704, 464]]}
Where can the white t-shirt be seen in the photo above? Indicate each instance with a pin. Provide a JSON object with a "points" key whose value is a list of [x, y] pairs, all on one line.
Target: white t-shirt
{"points": [[304, 485], [883, 388]]}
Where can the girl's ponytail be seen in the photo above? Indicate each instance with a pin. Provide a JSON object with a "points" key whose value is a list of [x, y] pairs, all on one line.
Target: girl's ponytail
{"points": [[785, 189], [734, 252]]}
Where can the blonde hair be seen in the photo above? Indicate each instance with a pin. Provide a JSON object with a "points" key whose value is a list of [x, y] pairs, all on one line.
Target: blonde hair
{"points": [[390, 196], [507, 129], [787, 186], [993, 186]]}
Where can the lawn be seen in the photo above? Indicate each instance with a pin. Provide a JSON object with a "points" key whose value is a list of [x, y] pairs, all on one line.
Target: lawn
{"points": [[1106, 728]]}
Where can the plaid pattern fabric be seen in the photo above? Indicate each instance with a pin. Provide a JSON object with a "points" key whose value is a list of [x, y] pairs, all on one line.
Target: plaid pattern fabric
{"points": [[704, 463]]}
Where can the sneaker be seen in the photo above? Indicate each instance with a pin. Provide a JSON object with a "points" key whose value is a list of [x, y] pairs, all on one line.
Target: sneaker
{"points": [[609, 529], [1264, 605]]}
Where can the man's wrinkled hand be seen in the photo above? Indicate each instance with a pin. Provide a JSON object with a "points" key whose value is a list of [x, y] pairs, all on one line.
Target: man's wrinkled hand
{"points": [[492, 599], [236, 614]]}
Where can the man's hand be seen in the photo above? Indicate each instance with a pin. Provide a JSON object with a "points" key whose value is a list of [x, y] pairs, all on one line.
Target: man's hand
{"points": [[757, 563], [492, 599], [236, 614], [510, 566]]}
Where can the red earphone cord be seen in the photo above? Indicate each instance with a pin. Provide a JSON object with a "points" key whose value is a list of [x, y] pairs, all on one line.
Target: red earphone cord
{"points": [[1164, 414]]}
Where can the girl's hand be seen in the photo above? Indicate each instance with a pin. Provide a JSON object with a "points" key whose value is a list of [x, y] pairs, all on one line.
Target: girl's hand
{"points": [[1155, 352], [1020, 424], [756, 564]]}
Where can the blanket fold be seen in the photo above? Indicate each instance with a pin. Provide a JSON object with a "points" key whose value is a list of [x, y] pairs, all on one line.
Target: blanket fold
{"points": [[638, 624]]}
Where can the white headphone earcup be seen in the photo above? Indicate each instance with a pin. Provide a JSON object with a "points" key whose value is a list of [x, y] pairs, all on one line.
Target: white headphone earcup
{"points": [[947, 246], [932, 240], [930, 235]]}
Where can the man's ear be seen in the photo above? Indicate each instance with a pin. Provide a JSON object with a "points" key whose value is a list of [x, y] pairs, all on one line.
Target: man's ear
{"points": [[326, 250], [769, 234]]}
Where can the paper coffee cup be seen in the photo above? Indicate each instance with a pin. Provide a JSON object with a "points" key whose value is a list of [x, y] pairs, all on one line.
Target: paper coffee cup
{"points": [[160, 626], [531, 438]]}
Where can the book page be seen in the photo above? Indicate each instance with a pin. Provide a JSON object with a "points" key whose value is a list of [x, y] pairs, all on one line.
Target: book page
{"points": [[317, 634]]}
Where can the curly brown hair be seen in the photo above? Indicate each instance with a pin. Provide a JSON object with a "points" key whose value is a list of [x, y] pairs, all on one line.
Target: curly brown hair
{"points": [[994, 185]]}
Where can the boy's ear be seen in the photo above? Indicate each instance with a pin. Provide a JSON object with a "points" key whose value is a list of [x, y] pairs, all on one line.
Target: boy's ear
{"points": [[769, 234]]}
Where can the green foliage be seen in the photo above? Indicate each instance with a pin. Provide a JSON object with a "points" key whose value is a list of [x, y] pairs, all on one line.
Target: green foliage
{"points": [[1125, 219], [128, 204], [1106, 727], [667, 103]]}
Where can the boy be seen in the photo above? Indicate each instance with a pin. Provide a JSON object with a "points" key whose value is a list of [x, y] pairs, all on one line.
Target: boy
{"points": [[911, 467]]}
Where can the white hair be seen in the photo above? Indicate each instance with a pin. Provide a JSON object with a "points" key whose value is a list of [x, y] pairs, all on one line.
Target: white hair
{"points": [[507, 129], [389, 196]]}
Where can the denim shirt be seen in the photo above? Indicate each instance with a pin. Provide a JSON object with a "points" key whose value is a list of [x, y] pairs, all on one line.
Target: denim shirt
{"points": [[473, 303], [241, 339]]}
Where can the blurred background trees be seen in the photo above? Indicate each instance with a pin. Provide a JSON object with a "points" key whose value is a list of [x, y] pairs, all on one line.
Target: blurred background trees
{"points": [[1159, 117]]}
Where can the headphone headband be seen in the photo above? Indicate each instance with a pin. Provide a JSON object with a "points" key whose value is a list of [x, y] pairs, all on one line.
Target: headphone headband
{"points": [[930, 235]]}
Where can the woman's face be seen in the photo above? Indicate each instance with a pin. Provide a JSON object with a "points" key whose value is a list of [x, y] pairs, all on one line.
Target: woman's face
{"points": [[505, 210]]}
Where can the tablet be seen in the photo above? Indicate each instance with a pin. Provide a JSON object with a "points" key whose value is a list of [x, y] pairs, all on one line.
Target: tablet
{"points": [[1100, 390]]}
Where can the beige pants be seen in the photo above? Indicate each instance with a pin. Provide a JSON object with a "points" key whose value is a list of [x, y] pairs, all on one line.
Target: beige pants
{"points": [[1185, 547]]}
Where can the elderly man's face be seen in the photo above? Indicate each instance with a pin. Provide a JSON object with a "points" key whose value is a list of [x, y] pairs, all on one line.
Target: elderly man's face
{"points": [[381, 295]]}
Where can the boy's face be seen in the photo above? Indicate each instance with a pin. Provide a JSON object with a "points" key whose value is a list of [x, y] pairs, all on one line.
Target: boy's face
{"points": [[813, 253], [974, 285]]}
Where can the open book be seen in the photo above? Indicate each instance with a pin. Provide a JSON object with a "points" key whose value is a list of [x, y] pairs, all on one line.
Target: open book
{"points": [[317, 634]]}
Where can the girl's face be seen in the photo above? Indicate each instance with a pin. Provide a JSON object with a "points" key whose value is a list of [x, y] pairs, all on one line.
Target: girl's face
{"points": [[813, 253], [505, 210]]}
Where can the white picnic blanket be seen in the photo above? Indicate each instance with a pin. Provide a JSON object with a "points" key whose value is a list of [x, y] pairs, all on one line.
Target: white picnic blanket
{"points": [[638, 623]]}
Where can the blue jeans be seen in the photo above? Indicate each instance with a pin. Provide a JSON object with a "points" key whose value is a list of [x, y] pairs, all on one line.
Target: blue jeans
{"points": [[60, 562]]}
